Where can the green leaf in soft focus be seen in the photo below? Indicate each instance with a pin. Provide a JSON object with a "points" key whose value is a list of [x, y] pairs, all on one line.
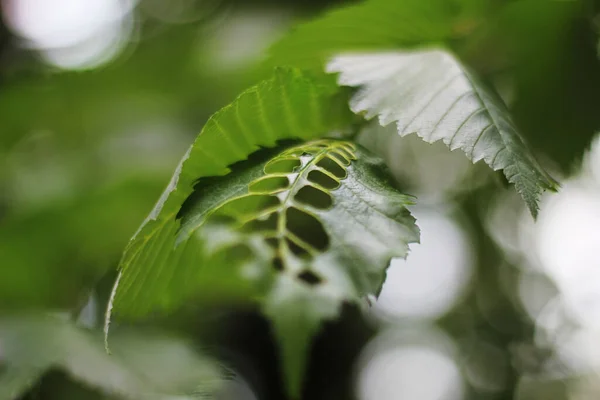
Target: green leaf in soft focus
{"points": [[431, 94], [15, 382], [556, 74], [322, 219], [174, 67], [373, 24], [289, 105], [76, 241], [141, 366]]}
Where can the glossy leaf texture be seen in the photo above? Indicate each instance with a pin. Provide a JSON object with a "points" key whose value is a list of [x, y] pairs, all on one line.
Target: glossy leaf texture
{"points": [[430, 93], [289, 105], [33, 344], [368, 25]]}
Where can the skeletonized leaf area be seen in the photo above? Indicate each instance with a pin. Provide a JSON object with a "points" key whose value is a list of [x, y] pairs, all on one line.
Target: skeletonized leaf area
{"points": [[299, 228]]}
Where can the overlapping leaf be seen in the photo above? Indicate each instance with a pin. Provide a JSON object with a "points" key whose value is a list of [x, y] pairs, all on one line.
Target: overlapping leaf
{"points": [[33, 344], [373, 24], [290, 105], [300, 229], [318, 222], [430, 93]]}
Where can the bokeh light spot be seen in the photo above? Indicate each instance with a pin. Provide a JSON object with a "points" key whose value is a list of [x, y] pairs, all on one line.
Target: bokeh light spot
{"points": [[435, 274], [72, 34]]}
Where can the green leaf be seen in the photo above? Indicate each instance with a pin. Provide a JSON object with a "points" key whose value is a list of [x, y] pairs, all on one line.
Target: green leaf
{"points": [[319, 223], [430, 93], [16, 382], [33, 344], [373, 24], [289, 105]]}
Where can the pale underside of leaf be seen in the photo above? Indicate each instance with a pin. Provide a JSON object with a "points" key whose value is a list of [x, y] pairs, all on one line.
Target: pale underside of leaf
{"points": [[432, 94]]}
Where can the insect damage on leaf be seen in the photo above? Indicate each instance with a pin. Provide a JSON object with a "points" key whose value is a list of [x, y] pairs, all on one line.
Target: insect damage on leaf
{"points": [[279, 204], [297, 229], [321, 220], [289, 105]]}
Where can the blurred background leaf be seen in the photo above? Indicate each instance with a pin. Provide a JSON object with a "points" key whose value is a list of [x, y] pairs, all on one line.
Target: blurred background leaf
{"points": [[35, 344]]}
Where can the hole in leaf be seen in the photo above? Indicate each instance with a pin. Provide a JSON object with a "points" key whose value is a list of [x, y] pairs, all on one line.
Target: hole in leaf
{"points": [[278, 263], [248, 205], [273, 242], [263, 224], [314, 197], [297, 250], [307, 228], [310, 278], [333, 167], [270, 184], [282, 165], [340, 158], [267, 202], [323, 180]]}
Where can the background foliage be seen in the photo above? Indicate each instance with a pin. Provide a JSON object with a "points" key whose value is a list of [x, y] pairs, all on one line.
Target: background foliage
{"points": [[491, 307]]}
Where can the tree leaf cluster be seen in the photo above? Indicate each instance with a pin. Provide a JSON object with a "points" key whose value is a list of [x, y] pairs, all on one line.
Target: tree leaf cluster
{"points": [[274, 203]]}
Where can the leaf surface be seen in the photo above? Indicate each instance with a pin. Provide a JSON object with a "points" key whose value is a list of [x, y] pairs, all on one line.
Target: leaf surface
{"points": [[373, 24], [33, 344], [307, 227], [289, 105], [321, 222], [432, 94], [15, 382]]}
